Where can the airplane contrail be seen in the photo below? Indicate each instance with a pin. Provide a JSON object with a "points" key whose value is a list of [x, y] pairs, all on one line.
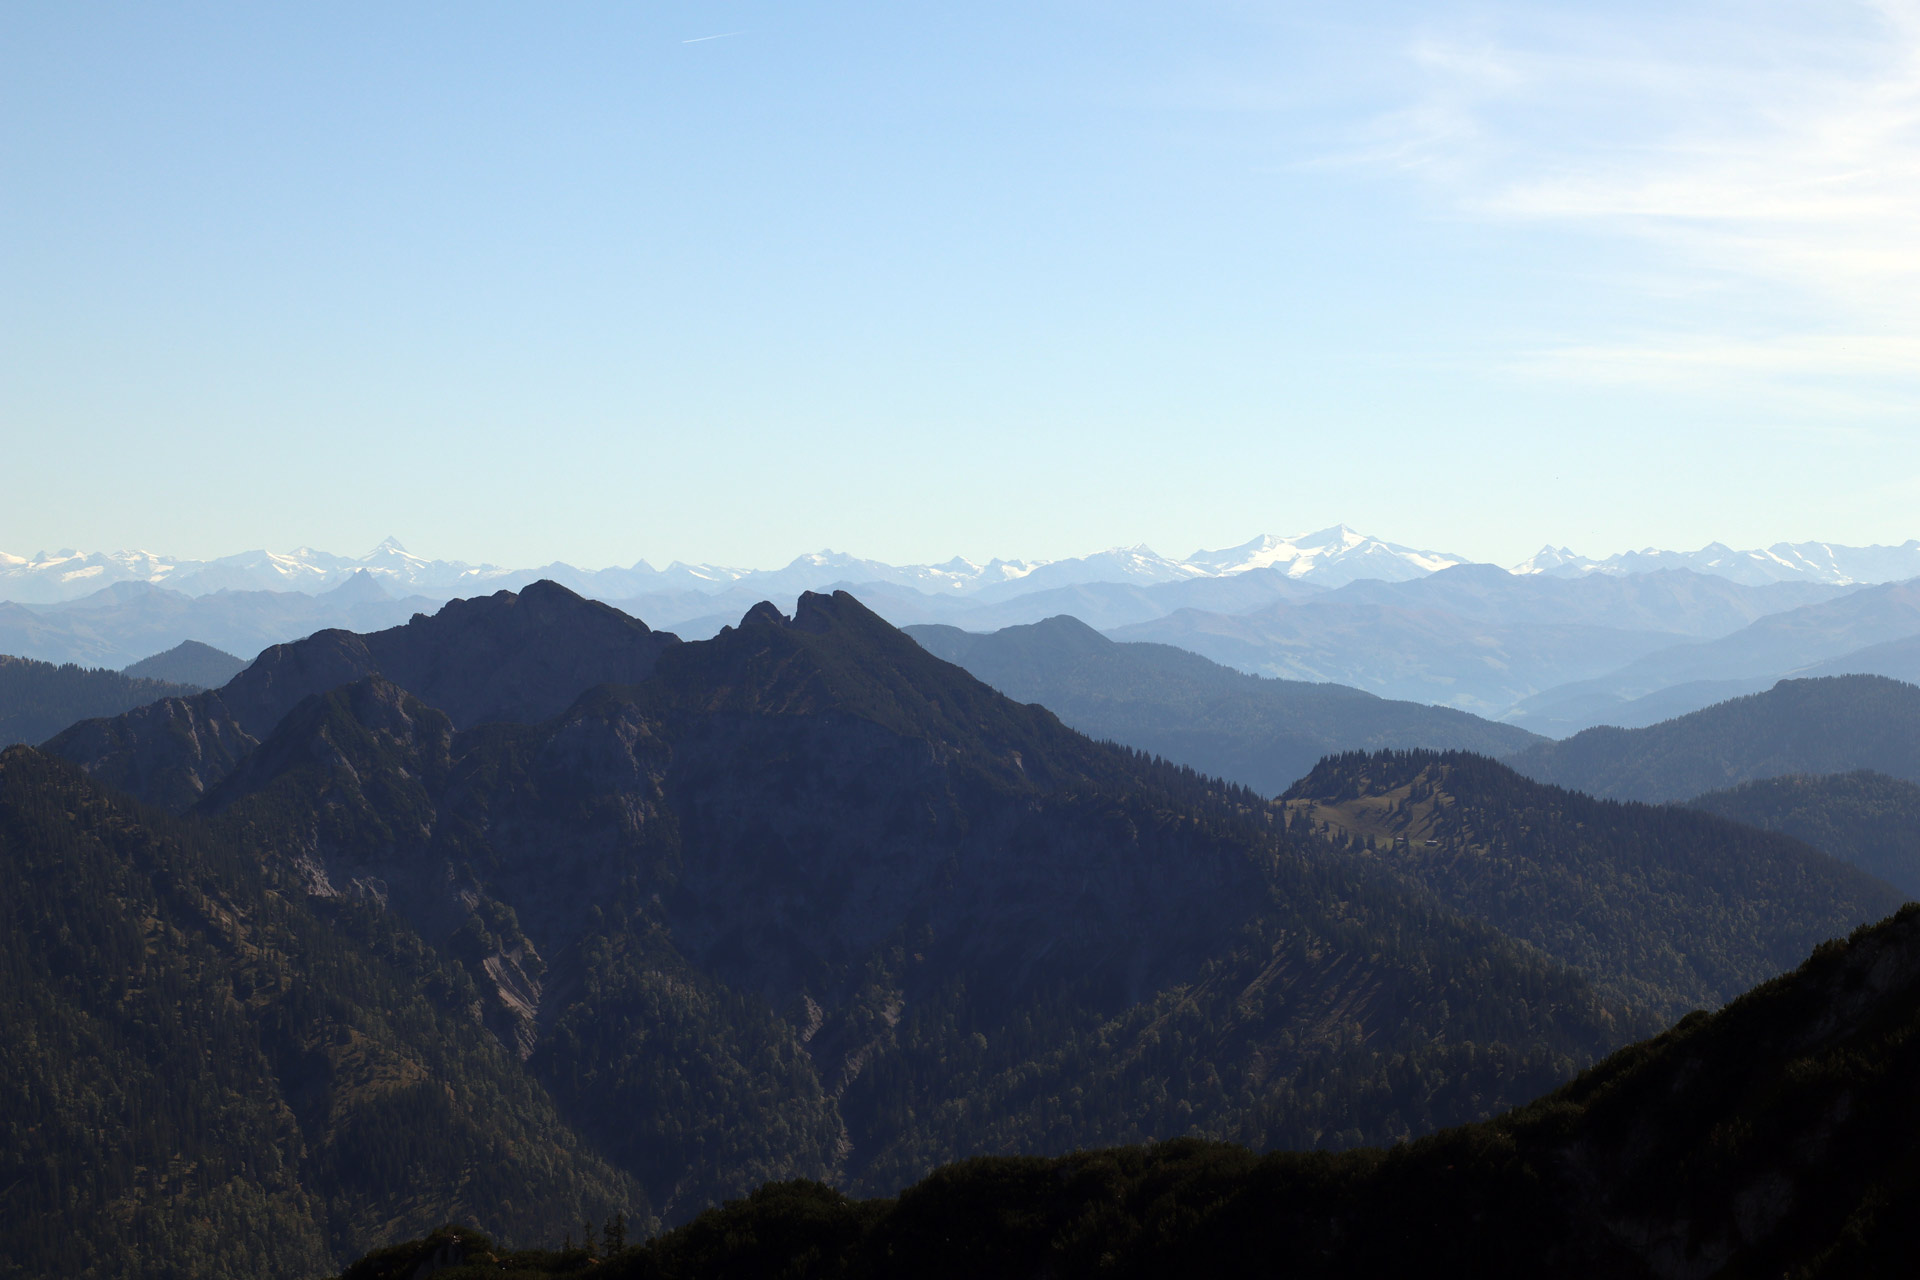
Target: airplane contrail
{"points": [[722, 36]]}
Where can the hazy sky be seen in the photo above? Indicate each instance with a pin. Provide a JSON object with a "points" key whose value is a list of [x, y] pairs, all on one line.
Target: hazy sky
{"points": [[732, 281]]}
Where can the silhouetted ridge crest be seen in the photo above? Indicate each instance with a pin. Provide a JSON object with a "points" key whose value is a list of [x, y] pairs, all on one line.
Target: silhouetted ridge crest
{"points": [[508, 657]]}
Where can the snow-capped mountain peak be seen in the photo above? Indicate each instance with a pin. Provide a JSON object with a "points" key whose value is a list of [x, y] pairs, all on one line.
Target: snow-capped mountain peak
{"points": [[1782, 562], [1559, 562], [1332, 556]]}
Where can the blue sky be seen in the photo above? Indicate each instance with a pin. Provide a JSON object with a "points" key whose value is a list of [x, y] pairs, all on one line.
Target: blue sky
{"points": [[734, 281]]}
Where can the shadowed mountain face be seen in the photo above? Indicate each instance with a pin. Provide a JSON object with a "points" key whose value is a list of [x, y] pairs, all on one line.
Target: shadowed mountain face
{"points": [[1673, 909], [1863, 818], [504, 657], [1773, 1138], [807, 901], [1259, 732], [1832, 725]]}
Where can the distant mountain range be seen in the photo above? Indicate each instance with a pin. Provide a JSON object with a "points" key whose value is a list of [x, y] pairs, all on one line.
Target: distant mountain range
{"points": [[1782, 562], [1555, 645], [128, 622], [1329, 557], [1261, 733]]}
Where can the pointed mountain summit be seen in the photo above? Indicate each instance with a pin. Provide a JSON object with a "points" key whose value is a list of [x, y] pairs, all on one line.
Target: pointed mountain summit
{"points": [[360, 587], [191, 663], [1332, 556]]}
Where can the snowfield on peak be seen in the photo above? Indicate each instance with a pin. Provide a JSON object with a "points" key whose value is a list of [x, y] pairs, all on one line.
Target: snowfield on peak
{"points": [[1332, 557]]}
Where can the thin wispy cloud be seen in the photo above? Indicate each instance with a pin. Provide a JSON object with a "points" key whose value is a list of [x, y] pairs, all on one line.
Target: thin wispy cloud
{"points": [[1775, 159], [720, 36]]}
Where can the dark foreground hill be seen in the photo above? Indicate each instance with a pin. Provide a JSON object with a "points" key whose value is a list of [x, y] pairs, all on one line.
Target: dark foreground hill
{"points": [[1835, 724], [39, 699], [1259, 732], [804, 901], [1672, 908], [1863, 818], [1773, 1138]]}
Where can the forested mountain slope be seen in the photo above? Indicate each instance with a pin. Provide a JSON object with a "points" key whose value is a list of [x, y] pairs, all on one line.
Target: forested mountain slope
{"points": [[1259, 732], [209, 1073], [907, 918], [1835, 724], [39, 699], [1673, 909], [808, 901], [1863, 818], [1773, 1138]]}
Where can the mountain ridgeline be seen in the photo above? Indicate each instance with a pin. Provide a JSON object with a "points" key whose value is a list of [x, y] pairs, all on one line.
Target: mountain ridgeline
{"points": [[1833, 724], [799, 901], [500, 657], [1260, 732]]}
